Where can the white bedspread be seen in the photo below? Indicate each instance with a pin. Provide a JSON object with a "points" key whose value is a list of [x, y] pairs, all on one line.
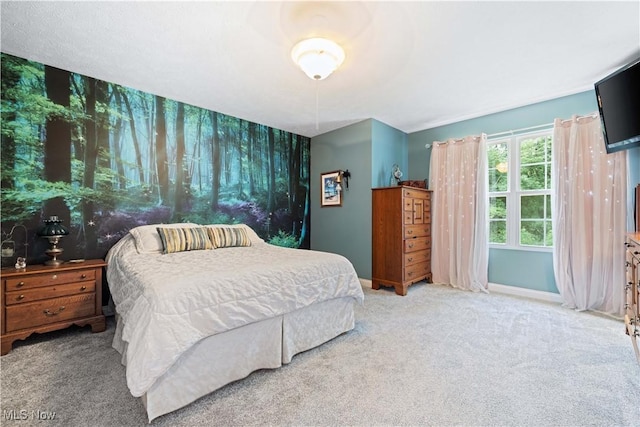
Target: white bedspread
{"points": [[170, 302]]}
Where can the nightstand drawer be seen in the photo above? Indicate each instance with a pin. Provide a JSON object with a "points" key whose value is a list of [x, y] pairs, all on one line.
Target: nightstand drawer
{"points": [[56, 291], [22, 316], [48, 279]]}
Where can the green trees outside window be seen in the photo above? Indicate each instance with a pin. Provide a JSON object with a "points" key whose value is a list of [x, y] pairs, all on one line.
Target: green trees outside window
{"points": [[520, 190]]}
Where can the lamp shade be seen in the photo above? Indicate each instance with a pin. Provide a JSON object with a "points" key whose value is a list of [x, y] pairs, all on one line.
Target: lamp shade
{"points": [[53, 227], [317, 57]]}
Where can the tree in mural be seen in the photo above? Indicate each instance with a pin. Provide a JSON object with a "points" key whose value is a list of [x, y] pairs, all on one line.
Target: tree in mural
{"points": [[107, 158]]}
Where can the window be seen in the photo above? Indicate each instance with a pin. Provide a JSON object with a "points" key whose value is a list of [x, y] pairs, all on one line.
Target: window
{"points": [[520, 191]]}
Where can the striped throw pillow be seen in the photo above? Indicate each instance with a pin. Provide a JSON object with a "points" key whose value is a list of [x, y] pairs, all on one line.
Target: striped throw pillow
{"points": [[184, 239], [226, 237]]}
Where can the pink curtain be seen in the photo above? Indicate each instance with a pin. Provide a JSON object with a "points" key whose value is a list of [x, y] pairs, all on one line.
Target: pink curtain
{"points": [[458, 178], [589, 217]]}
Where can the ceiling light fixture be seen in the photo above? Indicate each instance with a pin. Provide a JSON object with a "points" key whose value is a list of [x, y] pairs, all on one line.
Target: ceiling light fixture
{"points": [[317, 57]]}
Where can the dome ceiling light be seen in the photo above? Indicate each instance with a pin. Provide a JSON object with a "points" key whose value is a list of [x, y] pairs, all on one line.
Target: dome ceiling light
{"points": [[317, 57]]}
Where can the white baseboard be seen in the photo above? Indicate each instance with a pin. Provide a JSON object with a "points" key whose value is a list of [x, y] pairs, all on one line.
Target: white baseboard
{"points": [[366, 283], [524, 292], [505, 289]]}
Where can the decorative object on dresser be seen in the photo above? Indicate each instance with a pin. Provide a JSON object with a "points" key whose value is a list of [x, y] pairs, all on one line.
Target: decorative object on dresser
{"points": [[9, 247], [53, 231], [396, 174], [43, 298], [401, 250], [632, 290], [414, 183]]}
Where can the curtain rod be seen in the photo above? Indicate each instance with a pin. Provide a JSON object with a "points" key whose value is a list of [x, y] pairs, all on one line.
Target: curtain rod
{"points": [[546, 125], [514, 131]]}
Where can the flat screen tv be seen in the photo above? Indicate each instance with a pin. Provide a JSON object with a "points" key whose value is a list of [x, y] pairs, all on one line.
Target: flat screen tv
{"points": [[619, 106]]}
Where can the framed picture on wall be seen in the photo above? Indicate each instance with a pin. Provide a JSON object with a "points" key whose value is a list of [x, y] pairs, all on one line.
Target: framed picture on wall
{"points": [[331, 190]]}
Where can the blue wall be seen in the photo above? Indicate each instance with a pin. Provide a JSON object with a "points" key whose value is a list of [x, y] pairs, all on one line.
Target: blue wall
{"points": [[370, 148], [515, 267], [389, 147], [344, 230]]}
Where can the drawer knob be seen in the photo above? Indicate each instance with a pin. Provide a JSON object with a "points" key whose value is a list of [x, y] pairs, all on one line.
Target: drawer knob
{"points": [[410, 259], [410, 232], [19, 297], [84, 276], [83, 288], [54, 277], [20, 284], [53, 313], [410, 245], [410, 273]]}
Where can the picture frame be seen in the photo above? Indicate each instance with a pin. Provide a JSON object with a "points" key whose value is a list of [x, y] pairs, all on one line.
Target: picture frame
{"points": [[330, 192]]}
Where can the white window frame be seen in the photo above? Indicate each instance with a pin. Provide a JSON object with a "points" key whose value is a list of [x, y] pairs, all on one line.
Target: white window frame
{"points": [[514, 193]]}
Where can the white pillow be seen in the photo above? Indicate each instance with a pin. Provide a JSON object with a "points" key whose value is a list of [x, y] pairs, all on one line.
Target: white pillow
{"points": [[147, 238]]}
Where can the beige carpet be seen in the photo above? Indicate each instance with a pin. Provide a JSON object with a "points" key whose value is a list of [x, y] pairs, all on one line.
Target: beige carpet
{"points": [[437, 357]]}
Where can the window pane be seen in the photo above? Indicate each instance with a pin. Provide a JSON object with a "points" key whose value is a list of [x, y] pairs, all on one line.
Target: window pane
{"points": [[532, 233], [549, 234], [535, 163], [532, 151], [548, 148], [498, 231], [522, 184], [498, 207], [533, 177], [548, 176], [548, 202], [532, 207], [497, 156], [535, 150]]}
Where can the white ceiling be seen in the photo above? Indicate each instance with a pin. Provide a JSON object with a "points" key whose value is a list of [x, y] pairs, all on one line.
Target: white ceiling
{"points": [[411, 65]]}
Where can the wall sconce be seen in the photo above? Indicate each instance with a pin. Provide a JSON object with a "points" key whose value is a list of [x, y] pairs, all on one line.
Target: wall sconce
{"points": [[343, 176], [53, 231]]}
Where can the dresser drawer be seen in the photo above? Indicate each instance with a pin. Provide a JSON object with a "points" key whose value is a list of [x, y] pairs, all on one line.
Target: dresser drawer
{"points": [[417, 271], [417, 257], [48, 279], [22, 316], [416, 194], [422, 230], [417, 244], [56, 291]]}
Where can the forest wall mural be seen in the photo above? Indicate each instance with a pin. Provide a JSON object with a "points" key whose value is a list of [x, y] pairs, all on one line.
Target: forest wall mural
{"points": [[105, 158]]}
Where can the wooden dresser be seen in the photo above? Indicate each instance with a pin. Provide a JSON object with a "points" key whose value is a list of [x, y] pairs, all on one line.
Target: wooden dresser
{"points": [[632, 291], [401, 246], [44, 298]]}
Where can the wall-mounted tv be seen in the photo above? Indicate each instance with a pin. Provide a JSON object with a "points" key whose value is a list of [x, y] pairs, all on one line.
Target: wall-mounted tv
{"points": [[619, 105]]}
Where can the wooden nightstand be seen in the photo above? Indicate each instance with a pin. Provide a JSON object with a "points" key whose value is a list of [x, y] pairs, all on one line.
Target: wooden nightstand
{"points": [[43, 298]]}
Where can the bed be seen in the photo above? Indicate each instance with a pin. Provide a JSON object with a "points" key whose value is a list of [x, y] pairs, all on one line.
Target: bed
{"points": [[198, 307]]}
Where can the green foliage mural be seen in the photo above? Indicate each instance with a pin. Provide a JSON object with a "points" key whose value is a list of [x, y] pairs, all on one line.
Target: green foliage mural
{"points": [[106, 158]]}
